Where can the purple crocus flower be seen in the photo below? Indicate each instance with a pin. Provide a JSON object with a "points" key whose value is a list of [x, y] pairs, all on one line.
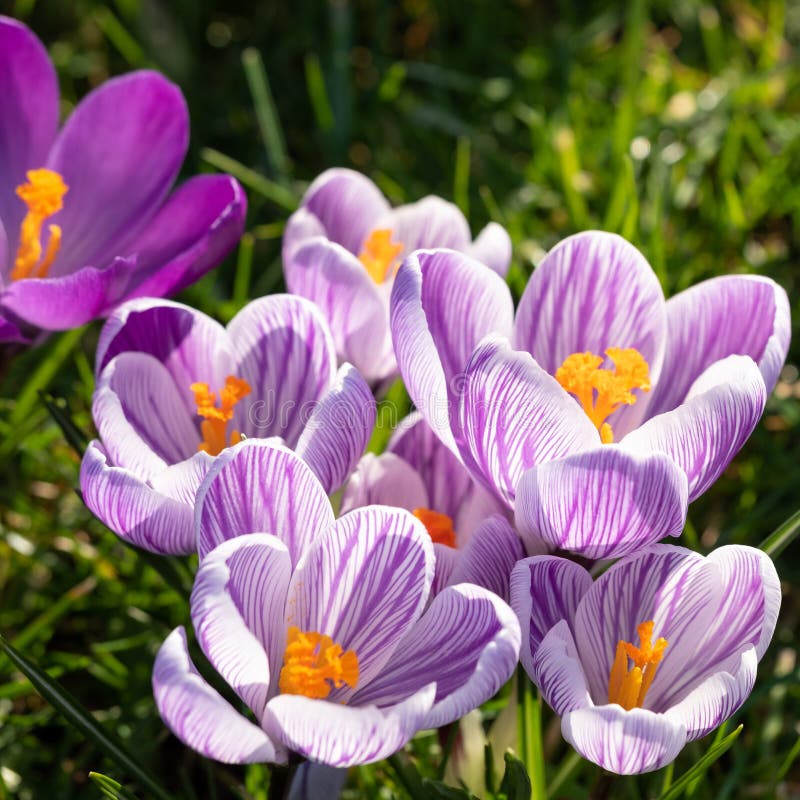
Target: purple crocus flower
{"points": [[472, 538], [322, 627], [342, 247], [160, 366], [613, 408], [658, 651], [86, 215]]}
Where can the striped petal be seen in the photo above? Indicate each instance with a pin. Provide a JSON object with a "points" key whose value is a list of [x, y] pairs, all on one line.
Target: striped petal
{"points": [[603, 503], [261, 487], [199, 716], [237, 609], [386, 480], [429, 222], [492, 246]]}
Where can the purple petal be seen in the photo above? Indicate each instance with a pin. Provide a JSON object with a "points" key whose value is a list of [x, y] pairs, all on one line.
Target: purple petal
{"points": [[199, 716], [351, 302], [284, 350], [443, 303], [142, 419], [260, 487], [705, 324], [489, 556], [339, 429], [603, 503], [592, 291], [29, 88], [545, 590], [119, 153], [625, 742], [197, 226], [237, 610], [704, 433], [722, 693], [364, 584], [385, 480], [430, 222], [135, 511], [669, 585], [492, 246], [342, 736], [556, 669], [10, 332], [515, 416], [191, 346], [447, 558], [348, 204], [301, 226], [467, 641]]}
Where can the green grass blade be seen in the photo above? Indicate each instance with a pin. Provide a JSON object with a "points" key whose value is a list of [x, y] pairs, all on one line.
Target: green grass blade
{"points": [[318, 93], [110, 788], [701, 767], [531, 746], [83, 721], [57, 407], [244, 269], [782, 536], [461, 175]]}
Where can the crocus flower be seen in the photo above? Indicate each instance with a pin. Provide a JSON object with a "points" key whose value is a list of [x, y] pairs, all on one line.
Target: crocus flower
{"points": [[658, 651], [175, 388], [472, 538], [323, 628], [342, 247], [86, 215], [613, 409]]}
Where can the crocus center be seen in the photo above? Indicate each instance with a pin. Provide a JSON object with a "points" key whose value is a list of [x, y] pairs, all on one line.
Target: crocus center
{"points": [[216, 417], [43, 194], [314, 664], [379, 255], [628, 685], [602, 391], [439, 526]]}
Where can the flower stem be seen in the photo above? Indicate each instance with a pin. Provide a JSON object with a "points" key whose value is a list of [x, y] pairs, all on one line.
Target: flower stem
{"points": [[529, 734]]}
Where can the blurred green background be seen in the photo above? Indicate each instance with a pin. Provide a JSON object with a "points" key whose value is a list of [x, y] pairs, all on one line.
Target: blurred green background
{"points": [[674, 123]]}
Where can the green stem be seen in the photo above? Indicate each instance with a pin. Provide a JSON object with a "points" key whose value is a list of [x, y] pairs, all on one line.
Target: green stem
{"points": [[529, 729]]}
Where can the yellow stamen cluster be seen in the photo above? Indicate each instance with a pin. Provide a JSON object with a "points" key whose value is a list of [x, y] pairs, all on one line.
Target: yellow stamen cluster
{"points": [[600, 391], [379, 255], [439, 526], [216, 418], [43, 194], [628, 687], [314, 664]]}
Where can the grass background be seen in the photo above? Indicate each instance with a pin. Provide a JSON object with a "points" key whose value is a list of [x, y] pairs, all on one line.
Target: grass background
{"points": [[674, 123]]}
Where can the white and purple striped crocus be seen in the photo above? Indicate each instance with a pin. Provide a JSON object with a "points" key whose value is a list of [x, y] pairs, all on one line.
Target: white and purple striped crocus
{"points": [[342, 247], [657, 652], [86, 215], [175, 388], [611, 408], [324, 628], [472, 537]]}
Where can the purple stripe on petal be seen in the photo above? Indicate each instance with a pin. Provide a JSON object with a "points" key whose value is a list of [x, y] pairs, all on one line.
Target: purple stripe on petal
{"points": [[467, 641], [261, 487], [29, 88], [199, 716], [705, 432], [492, 246], [515, 416], [625, 742], [339, 429], [364, 584], [545, 590], [489, 556], [385, 480], [284, 350], [119, 153], [556, 669], [136, 512], [728, 315], [342, 736], [237, 610], [603, 503]]}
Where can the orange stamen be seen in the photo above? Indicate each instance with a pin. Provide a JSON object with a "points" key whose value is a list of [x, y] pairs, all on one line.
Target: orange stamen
{"points": [[600, 391], [314, 664], [43, 194], [215, 419], [379, 255], [439, 526], [628, 687]]}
